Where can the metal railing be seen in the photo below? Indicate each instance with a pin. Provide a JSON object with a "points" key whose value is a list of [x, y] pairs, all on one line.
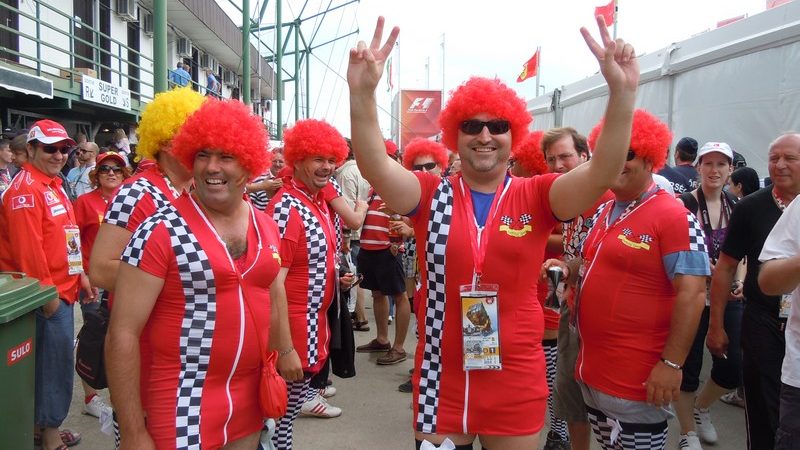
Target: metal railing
{"points": [[120, 64]]}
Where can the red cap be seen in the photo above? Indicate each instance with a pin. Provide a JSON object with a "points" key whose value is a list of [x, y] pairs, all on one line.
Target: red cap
{"points": [[49, 132], [391, 147], [112, 155]]}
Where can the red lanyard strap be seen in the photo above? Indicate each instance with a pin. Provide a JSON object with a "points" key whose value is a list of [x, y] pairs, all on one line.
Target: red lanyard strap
{"points": [[478, 239]]}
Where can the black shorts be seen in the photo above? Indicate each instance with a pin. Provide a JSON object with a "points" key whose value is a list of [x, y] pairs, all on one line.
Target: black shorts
{"points": [[382, 271]]}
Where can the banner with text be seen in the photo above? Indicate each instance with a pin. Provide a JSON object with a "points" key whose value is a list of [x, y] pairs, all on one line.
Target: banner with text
{"points": [[98, 91], [419, 114]]}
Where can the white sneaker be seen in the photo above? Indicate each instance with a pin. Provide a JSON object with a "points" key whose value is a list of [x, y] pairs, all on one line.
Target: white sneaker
{"points": [[328, 391], [96, 406], [705, 429], [689, 441], [319, 407]]}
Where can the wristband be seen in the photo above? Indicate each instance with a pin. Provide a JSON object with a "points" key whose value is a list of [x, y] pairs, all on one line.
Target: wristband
{"points": [[285, 352], [671, 364]]}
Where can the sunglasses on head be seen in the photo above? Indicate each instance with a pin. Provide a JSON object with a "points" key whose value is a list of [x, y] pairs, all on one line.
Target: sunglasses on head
{"points": [[108, 169], [427, 166], [631, 155], [50, 149], [475, 126]]}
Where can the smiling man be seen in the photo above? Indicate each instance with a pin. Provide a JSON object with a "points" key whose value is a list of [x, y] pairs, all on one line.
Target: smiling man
{"points": [[43, 242], [479, 368], [308, 252], [197, 296]]}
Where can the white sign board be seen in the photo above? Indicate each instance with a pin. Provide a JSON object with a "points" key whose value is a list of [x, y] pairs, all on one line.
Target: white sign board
{"points": [[98, 91]]}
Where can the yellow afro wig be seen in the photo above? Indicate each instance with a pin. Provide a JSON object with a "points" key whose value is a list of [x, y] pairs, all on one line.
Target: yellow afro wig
{"points": [[163, 117]]}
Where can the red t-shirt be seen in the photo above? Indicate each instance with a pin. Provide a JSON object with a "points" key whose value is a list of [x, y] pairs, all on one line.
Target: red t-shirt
{"points": [[39, 225], [308, 250], [89, 210], [200, 355], [375, 231], [510, 401], [626, 299]]}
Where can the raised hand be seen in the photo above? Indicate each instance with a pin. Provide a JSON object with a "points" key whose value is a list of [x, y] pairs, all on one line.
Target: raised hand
{"points": [[365, 68], [617, 59]]}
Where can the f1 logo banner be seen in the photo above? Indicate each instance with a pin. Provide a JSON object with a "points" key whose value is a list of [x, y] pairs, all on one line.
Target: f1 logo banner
{"points": [[419, 114]]}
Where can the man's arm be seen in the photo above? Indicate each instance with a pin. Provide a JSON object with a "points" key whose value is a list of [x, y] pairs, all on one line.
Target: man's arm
{"points": [[779, 276], [353, 218], [280, 335], [398, 187], [104, 262], [135, 295], [724, 273], [575, 191], [663, 384]]}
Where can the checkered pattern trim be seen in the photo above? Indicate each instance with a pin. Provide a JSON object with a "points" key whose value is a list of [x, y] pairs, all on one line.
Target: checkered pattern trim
{"points": [[298, 393], [431, 370], [317, 247], [337, 221], [557, 426], [630, 436], [132, 254], [122, 206], [697, 240]]}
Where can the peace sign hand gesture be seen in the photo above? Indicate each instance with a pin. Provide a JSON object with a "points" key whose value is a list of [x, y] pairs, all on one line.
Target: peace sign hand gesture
{"points": [[365, 68], [617, 59]]}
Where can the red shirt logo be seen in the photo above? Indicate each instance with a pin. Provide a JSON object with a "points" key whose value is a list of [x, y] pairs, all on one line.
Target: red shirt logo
{"points": [[22, 201]]}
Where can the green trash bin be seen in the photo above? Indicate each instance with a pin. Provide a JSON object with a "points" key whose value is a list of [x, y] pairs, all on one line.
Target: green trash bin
{"points": [[20, 296]]}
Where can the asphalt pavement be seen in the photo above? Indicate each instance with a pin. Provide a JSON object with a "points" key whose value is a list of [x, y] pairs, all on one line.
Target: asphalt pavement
{"points": [[377, 416]]}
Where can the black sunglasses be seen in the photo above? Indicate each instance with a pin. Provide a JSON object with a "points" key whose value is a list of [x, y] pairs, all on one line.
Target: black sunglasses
{"points": [[427, 166], [50, 149], [108, 169], [631, 155], [475, 126]]}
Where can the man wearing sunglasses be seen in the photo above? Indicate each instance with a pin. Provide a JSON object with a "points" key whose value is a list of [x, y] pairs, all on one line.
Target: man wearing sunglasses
{"points": [[481, 237], [43, 242], [78, 177]]}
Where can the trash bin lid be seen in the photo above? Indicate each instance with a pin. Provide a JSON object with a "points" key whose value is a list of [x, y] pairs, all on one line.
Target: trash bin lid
{"points": [[20, 295]]}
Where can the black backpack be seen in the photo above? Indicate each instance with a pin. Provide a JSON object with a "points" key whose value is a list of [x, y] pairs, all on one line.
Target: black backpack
{"points": [[89, 358]]}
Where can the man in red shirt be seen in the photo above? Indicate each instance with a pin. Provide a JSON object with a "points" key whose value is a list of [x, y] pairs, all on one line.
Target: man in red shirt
{"points": [[44, 243], [640, 292], [476, 231], [312, 150], [149, 190]]}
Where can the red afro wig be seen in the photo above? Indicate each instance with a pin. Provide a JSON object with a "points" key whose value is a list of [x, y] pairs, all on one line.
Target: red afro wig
{"points": [[529, 154], [236, 131], [424, 147], [650, 138], [483, 96], [310, 137], [391, 147]]}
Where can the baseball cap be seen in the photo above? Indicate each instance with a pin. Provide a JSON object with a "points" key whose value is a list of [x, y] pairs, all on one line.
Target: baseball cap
{"points": [[111, 155], [49, 132], [687, 144], [711, 147]]}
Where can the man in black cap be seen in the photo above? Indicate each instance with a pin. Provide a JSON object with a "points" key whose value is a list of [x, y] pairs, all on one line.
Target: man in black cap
{"points": [[685, 154]]}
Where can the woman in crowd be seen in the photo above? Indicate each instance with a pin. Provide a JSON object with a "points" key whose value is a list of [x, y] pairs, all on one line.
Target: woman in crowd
{"points": [[743, 182], [712, 206], [121, 142]]}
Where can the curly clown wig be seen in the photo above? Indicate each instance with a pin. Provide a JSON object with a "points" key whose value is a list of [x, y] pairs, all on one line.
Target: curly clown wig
{"points": [[163, 117], [424, 147], [391, 148], [244, 135], [529, 154], [312, 137], [650, 138], [483, 96]]}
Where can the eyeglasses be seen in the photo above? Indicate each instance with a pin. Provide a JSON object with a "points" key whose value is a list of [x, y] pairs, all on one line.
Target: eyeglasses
{"points": [[50, 149], [631, 155], [427, 166], [104, 169], [83, 150], [475, 126]]}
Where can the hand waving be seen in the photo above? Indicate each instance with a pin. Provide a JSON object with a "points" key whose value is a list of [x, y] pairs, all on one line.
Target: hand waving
{"points": [[617, 59], [365, 68]]}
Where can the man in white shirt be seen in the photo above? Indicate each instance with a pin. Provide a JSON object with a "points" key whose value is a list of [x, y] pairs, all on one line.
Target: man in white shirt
{"points": [[78, 177], [780, 274]]}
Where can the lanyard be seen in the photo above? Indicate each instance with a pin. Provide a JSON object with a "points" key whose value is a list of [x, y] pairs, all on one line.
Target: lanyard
{"points": [[478, 239], [644, 198], [778, 200]]}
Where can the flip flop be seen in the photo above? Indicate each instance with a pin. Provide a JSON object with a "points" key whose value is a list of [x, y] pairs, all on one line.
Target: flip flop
{"points": [[361, 326], [68, 437]]}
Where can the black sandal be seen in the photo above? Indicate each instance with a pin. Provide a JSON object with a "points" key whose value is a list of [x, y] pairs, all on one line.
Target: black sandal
{"points": [[361, 326]]}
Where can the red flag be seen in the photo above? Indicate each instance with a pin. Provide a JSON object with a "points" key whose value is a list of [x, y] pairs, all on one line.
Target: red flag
{"points": [[530, 68], [607, 11]]}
